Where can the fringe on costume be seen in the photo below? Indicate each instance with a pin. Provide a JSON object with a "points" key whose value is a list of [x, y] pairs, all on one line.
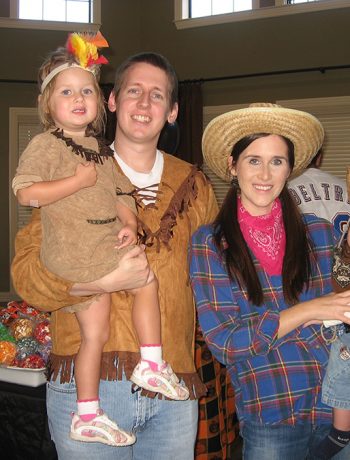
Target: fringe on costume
{"points": [[114, 365]]}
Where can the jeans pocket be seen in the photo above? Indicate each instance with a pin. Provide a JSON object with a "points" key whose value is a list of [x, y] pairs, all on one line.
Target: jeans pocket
{"points": [[63, 388]]}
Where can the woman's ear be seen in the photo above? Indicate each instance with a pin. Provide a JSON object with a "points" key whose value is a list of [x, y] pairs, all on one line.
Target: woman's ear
{"points": [[231, 166]]}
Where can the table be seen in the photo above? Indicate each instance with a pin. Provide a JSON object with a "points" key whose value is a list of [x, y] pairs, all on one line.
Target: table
{"points": [[24, 433]]}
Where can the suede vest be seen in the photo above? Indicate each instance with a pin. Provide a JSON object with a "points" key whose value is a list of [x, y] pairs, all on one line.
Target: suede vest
{"points": [[185, 201]]}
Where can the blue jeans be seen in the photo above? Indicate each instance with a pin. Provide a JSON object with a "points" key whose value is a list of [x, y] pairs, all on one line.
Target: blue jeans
{"points": [[164, 429], [335, 388], [284, 442]]}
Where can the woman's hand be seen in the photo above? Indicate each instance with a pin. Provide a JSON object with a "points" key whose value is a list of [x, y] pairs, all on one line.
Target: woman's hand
{"points": [[133, 272], [327, 307], [335, 306]]}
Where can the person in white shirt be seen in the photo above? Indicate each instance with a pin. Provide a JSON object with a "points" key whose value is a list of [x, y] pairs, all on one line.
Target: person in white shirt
{"points": [[322, 194]]}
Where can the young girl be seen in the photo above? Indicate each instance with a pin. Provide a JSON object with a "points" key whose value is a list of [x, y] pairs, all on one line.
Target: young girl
{"points": [[89, 221], [261, 275]]}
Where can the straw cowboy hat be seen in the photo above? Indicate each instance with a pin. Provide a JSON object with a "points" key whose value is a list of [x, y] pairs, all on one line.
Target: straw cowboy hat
{"points": [[224, 131]]}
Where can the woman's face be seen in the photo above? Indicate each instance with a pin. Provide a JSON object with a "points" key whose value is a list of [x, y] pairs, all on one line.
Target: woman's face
{"points": [[142, 106], [262, 170]]}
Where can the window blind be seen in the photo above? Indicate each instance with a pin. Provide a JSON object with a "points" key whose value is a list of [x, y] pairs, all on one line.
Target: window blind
{"points": [[26, 131]]}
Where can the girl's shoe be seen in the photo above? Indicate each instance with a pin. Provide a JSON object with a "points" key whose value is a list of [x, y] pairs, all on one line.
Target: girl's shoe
{"points": [[163, 380], [100, 429]]}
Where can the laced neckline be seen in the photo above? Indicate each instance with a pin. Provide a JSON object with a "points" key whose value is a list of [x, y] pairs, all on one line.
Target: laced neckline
{"points": [[90, 155]]}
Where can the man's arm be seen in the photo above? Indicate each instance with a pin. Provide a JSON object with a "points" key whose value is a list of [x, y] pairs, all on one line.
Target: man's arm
{"points": [[32, 281], [46, 291]]}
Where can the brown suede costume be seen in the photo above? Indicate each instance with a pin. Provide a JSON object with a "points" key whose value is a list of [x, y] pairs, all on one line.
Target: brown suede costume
{"points": [[185, 201], [79, 231]]}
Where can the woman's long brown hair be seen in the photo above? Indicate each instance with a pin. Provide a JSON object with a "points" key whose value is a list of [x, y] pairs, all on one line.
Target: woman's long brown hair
{"points": [[296, 269]]}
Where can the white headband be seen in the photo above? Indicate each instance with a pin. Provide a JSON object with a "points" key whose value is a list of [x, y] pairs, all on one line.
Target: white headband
{"points": [[59, 69]]}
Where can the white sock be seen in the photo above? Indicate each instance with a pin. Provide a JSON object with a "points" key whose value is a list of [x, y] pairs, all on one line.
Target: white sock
{"points": [[152, 353], [87, 408]]}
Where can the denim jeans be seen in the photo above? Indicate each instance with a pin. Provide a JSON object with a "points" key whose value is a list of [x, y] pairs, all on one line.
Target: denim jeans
{"points": [[164, 429], [335, 388], [284, 442]]}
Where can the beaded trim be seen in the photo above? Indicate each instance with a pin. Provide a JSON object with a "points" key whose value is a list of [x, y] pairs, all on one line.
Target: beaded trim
{"points": [[90, 155], [101, 221]]}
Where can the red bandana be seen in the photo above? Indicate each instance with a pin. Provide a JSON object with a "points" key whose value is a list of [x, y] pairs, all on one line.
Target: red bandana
{"points": [[265, 236]]}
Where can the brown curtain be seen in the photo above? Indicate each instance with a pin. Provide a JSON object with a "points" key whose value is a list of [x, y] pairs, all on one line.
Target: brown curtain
{"points": [[190, 120], [111, 120]]}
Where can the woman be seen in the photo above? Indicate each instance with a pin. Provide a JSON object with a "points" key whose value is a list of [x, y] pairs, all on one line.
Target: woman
{"points": [[261, 275]]}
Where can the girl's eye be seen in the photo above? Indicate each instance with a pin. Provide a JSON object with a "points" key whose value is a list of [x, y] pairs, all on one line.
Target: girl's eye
{"points": [[87, 91], [66, 92]]}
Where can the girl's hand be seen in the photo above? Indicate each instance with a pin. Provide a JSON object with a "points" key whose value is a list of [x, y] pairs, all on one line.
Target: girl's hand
{"points": [[86, 174], [126, 237]]}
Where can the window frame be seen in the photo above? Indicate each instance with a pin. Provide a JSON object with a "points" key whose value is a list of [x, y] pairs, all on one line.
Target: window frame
{"points": [[17, 116], [182, 20], [13, 22]]}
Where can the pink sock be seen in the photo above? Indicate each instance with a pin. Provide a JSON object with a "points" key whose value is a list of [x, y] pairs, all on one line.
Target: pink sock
{"points": [[88, 408]]}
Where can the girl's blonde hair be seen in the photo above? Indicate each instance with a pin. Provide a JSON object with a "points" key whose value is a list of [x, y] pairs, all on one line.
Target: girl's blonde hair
{"points": [[55, 59]]}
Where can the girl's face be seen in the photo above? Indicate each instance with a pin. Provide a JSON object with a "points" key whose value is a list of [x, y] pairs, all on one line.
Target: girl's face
{"points": [[262, 170], [74, 101], [142, 105]]}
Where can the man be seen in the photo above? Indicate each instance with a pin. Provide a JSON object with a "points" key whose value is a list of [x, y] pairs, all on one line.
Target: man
{"points": [[174, 199]]}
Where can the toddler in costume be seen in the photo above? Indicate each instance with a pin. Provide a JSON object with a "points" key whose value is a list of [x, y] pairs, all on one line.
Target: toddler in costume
{"points": [[88, 221], [335, 388]]}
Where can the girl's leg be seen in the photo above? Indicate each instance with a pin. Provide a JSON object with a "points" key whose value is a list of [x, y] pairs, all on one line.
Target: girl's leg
{"points": [[338, 437], [94, 331], [152, 373], [146, 314], [341, 419], [91, 424]]}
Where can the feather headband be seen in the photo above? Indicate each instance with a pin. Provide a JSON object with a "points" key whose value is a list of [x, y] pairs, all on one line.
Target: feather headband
{"points": [[84, 48]]}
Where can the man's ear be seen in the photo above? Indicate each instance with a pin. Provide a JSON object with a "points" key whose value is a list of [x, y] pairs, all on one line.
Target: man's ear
{"points": [[173, 113], [112, 103]]}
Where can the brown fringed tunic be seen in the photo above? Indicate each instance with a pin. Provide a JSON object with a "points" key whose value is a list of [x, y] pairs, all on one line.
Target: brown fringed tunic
{"points": [[79, 231], [185, 201]]}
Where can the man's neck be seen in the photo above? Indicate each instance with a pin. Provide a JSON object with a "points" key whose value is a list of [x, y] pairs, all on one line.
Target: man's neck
{"points": [[139, 157]]}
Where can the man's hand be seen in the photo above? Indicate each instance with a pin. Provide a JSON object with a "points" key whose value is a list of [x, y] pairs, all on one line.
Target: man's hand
{"points": [[133, 272]]}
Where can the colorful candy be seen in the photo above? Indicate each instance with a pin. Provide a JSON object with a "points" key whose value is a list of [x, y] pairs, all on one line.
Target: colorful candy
{"points": [[42, 332], [22, 328], [8, 352], [25, 339]]}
